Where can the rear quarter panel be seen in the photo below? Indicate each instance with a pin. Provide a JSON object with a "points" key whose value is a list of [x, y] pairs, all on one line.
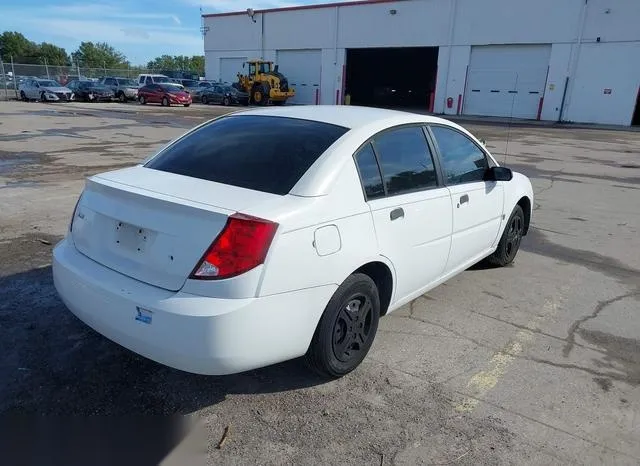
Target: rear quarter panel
{"points": [[295, 261]]}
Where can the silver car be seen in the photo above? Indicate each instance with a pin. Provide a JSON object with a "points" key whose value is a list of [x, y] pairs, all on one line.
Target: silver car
{"points": [[44, 90], [124, 88]]}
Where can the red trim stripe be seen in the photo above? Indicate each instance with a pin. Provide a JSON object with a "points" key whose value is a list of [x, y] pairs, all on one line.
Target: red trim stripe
{"points": [[540, 108]]}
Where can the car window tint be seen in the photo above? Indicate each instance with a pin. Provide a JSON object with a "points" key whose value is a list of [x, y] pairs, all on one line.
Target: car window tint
{"points": [[405, 160], [463, 161], [149, 80], [369, 173], [263, 153]]}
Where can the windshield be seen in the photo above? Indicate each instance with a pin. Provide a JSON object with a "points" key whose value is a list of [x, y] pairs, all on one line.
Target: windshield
{"points": [[161, 79], [126, 82], [265, 67], [171, 87], [47, 83]]}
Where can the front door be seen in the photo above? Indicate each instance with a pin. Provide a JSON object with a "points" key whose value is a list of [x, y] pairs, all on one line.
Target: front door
{"points": [[411, 210], [477, 205]]}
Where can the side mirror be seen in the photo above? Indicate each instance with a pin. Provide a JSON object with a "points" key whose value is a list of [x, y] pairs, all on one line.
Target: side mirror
{"points": [[498, 174]]}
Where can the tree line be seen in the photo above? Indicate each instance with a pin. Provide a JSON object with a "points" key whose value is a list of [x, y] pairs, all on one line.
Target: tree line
{"points": [[14, 45]]}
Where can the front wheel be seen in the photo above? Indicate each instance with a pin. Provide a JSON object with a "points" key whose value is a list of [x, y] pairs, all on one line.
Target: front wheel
{"points": [[510, 241], [23, 96], [165, 102], [186, 105], [346, 329], [204, 99], [226, 102], [122, 97], [142, 99], [42, 97]]}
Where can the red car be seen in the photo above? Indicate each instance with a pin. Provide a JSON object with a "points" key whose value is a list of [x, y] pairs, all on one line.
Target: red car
{"points": [[165, 94]]}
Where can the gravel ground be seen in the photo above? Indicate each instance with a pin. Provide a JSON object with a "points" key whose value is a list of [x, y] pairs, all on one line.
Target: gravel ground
{"points": [[537, 363]]}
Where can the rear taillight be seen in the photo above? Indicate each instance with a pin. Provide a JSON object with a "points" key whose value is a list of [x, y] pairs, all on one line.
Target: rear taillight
{"points": [[241, 246]]}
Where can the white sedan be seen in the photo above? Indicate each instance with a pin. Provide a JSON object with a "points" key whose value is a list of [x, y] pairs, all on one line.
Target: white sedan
{"points": [[270, 234]]}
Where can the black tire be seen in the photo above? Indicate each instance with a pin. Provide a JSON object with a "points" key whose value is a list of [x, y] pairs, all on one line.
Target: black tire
{"points": [[226, 102], [165, 102], [510, 241], [260, 94], [142, 100], [346, 329], [42, 98], [23, 96], [186, 105], [279, 103], [204, 99], [122, 98]]}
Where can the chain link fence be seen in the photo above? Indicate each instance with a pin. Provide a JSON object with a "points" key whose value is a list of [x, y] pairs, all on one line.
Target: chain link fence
{"points": [[12, 75]]}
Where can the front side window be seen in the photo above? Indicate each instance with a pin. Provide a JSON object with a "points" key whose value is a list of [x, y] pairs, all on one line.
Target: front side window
{"points": [[370, 176], [463, 161], [405, 160], [262, 153]]}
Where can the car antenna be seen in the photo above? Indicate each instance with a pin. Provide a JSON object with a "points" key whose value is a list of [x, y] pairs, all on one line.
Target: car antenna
{"points": [[513, 101]]}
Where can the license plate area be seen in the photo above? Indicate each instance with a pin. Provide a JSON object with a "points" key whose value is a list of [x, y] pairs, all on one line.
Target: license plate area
{"points": [[131, 238]]}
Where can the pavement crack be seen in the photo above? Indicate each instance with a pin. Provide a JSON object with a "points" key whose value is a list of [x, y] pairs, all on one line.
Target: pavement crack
{"points": [[571, 336]]}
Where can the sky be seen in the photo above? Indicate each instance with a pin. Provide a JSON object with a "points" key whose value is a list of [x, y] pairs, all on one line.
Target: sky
{"points": [[141, 29]]}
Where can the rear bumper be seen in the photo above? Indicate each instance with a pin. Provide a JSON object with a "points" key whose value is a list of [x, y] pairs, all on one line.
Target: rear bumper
{"points": [[184, 331]]}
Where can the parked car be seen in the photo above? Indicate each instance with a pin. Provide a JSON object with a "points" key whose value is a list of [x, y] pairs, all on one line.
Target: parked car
{"points": [[91, 91], [165, 94], [269, 234], [144, 79], [45, 90], [123, 88], [225, 95], [196, 91]]}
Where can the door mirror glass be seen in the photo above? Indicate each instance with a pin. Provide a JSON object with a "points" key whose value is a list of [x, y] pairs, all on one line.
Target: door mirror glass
{"points": [[499, 174]]}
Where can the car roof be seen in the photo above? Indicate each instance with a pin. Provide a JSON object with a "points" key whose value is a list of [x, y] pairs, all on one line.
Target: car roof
{"points": [[347, 116]]}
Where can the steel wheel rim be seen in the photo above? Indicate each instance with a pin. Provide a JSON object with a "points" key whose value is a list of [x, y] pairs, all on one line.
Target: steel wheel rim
{"points": [[514, 235], [352, 328], [258, 96]]}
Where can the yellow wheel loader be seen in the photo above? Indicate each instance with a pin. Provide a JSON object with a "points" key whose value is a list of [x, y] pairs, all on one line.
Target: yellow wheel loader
{"points": [[264, 84]]}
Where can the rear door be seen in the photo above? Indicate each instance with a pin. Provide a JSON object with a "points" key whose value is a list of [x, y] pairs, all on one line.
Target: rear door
{"points": [[477, 205], [410, 207]]}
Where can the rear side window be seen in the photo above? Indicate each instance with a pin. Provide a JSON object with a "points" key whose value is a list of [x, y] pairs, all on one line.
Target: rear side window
{"points": [[369, 173], [263, 153], [405, 160]]}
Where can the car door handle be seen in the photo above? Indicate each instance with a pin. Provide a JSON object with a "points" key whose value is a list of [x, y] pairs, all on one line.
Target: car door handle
{"points": [[464, 198], [396, 214]]}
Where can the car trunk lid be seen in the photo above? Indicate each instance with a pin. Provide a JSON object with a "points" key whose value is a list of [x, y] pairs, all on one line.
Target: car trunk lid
{"points": [[153, 226]]}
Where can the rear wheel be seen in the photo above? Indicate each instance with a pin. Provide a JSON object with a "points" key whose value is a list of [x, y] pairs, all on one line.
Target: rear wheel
{"points": [[510, 241], [23, 96], [226, 102], [122, 97], [186, 105], [204, 99], [346, 329], [165, 102]]}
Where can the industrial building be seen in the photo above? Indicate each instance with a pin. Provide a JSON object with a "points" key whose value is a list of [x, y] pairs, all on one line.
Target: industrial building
{"points": [[556, 60]]}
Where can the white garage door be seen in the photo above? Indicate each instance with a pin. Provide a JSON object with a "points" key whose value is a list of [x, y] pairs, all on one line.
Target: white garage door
{"points": [[303, 69], [506, 80], [230, 67]]}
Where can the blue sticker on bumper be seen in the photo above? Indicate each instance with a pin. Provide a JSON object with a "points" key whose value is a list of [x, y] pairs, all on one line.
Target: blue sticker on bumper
{"points": [[144, 315]]}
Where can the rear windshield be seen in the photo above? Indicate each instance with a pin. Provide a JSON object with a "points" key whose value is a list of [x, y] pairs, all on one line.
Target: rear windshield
{"points": [[263, 153]]}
